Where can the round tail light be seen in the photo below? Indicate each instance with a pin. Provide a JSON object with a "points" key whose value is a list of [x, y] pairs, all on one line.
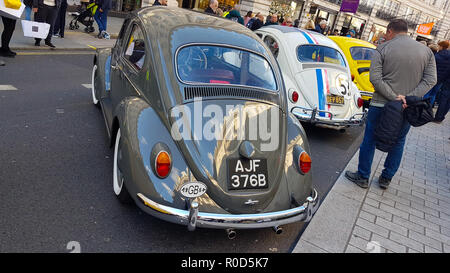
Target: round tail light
{"points": [[294, 96], [163, 164], [360, 102], [304, 162]]}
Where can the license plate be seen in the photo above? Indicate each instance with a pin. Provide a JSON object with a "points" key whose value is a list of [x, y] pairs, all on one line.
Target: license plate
{"points": [[247, 174], [333, 99]]}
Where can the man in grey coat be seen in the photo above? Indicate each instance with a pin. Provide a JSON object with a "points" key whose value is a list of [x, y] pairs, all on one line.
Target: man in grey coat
{"points": [[399, 67]]}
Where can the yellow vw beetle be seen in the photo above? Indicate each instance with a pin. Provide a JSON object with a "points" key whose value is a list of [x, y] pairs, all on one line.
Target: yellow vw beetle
{"points": [[358, 54]]}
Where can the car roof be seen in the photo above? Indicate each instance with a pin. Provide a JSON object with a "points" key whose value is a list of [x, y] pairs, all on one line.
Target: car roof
{"points": [[296, 36], [351, 42], [172, 27]]}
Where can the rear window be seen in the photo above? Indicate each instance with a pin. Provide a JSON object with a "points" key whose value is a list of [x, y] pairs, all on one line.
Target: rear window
{"points": [[208, 64], [319, 54], [361, 53]]}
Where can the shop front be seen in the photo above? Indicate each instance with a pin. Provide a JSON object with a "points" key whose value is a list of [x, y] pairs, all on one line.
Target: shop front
{"points": [[318, 13], [126, 5], [353, 23], [201, 5]]}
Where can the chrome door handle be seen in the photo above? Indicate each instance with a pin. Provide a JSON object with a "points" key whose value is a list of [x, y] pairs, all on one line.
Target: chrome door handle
{"points": [[114, 67]]}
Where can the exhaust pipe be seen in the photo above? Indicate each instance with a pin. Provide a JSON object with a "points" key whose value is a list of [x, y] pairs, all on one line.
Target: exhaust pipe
{"points": [[278, 230], [231, 233]]}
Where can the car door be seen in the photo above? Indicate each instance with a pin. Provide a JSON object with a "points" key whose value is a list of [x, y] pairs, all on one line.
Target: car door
{"points": [[131, 65], [112, 73]]}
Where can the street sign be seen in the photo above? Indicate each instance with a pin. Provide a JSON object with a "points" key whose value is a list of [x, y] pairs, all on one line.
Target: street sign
{"points": [[425, 29], [349, 6]]}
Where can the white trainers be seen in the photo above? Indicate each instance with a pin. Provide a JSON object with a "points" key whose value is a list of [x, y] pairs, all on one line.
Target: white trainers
{"points": [[106, 35]]}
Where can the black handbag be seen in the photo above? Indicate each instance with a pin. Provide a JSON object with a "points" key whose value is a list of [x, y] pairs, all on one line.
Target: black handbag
{"points": [[419, 111]]}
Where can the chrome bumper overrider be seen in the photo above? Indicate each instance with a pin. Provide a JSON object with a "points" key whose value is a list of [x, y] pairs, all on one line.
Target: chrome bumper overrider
{"points": [[311, 115], [193, 218]]}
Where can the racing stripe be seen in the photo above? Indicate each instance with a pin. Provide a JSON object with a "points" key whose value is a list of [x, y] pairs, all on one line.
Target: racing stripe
{"points": [[327, 84], [320, 91]]}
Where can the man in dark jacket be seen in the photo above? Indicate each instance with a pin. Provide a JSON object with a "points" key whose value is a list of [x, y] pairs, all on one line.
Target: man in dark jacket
{"points": [[46, 11], [101, 17], [257, 22], [212, 8], [443, 66], [273, 20], [399, 67]]}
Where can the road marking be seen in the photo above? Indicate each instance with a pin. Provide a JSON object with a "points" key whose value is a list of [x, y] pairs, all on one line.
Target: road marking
{"points": [[62, 52], [6, 87], [87, 85]]}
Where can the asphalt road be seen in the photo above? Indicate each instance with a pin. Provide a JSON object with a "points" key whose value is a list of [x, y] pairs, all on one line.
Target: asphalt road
{"points": [[56, 172]]}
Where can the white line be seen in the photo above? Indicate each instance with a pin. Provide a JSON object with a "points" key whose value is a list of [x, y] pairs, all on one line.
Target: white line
{"points": [[6, 87], [87, 85]]}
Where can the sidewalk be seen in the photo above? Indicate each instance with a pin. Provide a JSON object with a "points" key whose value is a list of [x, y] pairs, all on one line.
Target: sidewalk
{"points": [[73, 39], [412, 215]]}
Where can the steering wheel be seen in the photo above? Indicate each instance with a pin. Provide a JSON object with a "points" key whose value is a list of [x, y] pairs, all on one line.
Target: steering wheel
{"points": [[190, 59]]}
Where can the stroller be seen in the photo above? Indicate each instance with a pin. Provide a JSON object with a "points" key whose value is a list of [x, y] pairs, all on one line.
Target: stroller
{"points": [[86, 18]]}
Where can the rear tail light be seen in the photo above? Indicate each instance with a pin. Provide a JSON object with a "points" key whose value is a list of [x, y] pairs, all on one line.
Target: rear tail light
{"points": [[360, 102], [353, 77], [293, 95], [163, 164], [304, 162]]}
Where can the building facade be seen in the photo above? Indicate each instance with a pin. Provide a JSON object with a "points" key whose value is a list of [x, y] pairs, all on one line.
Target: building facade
{"points": [[369, 22]]}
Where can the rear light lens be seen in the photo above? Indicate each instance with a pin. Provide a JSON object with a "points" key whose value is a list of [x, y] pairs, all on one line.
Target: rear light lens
{"points": [[353, 77], [294, 96], [360, 102], [163, 164], [304, 162]]}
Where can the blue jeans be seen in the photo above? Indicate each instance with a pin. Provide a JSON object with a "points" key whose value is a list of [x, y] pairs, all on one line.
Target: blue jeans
{"points": [[367, 148], [433, 92], [101, 19], [444, 104], [28, 13]]}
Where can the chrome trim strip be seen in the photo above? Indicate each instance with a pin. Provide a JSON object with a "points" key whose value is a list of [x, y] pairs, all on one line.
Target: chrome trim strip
{"points": [[219, 220], [313, 118]]}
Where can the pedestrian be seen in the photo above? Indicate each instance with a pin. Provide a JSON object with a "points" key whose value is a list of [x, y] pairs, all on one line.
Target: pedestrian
{"points": [[46, 11], [28, 9], [212, 8], [60, 22], [162, 3], [322, 27], [443, 70], [399, 67], [8, 29], [442, 65], [296, 23], [226, 11], [235, 15], [310, 25], [248, 17], [272, 20], [287, 22], [258, 22], [101, 17], [351, 33], [336, 32]]}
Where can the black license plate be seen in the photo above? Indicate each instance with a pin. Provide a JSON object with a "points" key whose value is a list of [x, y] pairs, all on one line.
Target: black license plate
{"points": [[333, 99], [247, 174]]}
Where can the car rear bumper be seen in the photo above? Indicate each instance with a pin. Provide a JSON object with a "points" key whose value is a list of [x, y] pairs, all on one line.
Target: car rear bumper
{"points": [[366, 95], [193, 218], [312, 116]]}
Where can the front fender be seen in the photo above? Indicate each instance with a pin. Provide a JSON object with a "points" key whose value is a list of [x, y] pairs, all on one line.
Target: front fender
{"points": [[102, 60]]}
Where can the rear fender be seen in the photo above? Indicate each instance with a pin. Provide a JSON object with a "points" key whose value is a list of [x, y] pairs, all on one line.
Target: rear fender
{"points": [[141, 128], [102, 83]]}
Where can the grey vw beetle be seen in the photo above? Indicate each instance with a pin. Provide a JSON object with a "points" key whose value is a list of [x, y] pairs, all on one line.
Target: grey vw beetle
{"points": [[175, 75]]}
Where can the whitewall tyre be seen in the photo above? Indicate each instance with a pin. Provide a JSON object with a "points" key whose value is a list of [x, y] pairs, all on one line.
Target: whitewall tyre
{"points": [[94, 74], [119, 187]]}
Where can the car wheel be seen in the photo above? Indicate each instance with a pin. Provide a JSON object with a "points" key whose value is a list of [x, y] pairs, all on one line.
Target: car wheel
{"points": [[119, 187], [94, 76]]}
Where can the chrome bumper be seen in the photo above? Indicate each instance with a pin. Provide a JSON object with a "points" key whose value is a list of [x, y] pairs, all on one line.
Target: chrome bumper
{"points": [[193, 218], [311, 115]]}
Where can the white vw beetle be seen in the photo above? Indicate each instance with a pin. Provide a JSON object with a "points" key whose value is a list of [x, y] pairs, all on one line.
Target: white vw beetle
{"points": [[317, 77]]}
